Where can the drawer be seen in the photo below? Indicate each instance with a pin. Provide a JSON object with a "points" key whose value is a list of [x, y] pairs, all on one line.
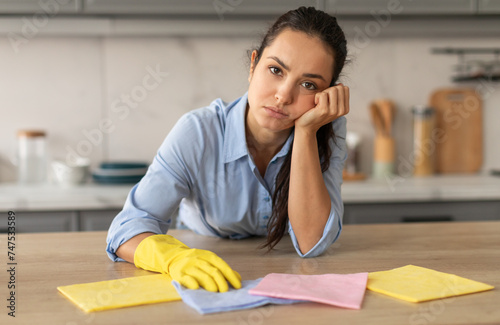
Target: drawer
{"points": [[57, 221], [97, 220], [421, 212]]}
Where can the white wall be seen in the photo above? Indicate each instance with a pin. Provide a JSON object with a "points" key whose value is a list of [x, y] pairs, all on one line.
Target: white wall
{"points": [[70, 86]]}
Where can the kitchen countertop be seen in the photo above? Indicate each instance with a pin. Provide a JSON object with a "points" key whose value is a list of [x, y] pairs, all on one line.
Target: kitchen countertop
{"points": [[412, 189], [94, 196], [468, 249], [49, 197]]}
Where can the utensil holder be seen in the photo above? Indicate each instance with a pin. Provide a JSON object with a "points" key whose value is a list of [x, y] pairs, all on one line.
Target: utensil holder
{"points": [[383, 159]]}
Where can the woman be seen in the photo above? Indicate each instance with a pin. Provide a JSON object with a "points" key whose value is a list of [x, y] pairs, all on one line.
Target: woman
{"points": [[267, 163]]}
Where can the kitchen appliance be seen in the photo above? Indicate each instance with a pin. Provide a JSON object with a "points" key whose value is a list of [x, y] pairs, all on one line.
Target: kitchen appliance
{"points": [[458, 135]]}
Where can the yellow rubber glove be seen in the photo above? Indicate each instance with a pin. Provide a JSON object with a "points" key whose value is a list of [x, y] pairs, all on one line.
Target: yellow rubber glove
{"points": [[189, 266]]}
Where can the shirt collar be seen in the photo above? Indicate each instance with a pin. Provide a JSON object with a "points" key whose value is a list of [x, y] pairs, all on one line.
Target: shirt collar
{"points": [[235, 143]]}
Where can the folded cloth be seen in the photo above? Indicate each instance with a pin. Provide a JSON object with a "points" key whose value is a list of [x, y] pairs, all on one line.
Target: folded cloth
{"points": [[417, 284], [119, 293], [341, 290], [206, 302]]}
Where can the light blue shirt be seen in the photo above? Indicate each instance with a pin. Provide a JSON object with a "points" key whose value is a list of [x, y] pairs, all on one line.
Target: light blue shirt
{"points": [[204, 168]]}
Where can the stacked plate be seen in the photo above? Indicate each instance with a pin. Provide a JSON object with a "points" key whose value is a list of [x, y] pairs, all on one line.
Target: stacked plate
{"points": [[119, 172]]}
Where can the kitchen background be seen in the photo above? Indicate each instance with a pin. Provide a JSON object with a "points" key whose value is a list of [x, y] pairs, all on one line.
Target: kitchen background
{"points": [[108, 79], [111, 89]]}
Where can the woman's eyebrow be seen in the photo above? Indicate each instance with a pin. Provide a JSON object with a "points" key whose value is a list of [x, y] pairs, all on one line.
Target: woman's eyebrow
{"points": [[280, 62], [308, 75], [315, 76]]}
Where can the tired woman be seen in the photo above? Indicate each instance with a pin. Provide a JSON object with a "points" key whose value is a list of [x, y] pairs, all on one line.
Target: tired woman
{"points": [[266, 164]]}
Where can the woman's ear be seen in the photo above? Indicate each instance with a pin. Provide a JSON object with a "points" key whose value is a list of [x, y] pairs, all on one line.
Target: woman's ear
{"points": [[252, 64]]}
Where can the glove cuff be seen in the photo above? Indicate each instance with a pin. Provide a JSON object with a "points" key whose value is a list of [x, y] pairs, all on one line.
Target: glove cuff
{"points": [[155, 252]]}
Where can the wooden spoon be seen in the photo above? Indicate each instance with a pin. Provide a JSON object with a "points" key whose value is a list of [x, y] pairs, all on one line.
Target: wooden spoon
{"points": [[387, 111], [384, 108], [377, 119]]}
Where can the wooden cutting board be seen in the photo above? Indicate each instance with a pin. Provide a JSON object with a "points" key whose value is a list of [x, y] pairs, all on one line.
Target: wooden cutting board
{"points": [[459, 137]]}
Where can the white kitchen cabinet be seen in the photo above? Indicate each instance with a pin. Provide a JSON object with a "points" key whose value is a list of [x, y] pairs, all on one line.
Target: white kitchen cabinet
{"points": [[193, 7], [489, 7], [421, 212], [401, 7], [47, 7]]}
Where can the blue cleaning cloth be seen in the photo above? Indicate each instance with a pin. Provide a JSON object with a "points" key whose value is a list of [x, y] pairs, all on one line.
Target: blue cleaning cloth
{"points": [[206, 302]]}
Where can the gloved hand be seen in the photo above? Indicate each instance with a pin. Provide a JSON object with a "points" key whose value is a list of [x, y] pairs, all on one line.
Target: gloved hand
{"points": [[189, 266]]}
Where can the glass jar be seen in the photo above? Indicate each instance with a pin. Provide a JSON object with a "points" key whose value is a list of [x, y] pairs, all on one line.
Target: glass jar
{"points": [[423, 143], [32, 156]]}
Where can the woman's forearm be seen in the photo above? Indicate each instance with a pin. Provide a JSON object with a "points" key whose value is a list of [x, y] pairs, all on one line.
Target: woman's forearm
{"points": [[127, 249], [308, 200]]}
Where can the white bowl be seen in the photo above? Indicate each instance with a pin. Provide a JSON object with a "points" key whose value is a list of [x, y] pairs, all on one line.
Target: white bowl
{"points": [[71, 174]]}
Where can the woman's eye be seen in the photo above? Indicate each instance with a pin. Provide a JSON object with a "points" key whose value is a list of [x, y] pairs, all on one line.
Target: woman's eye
{"points": [[275, 70], [309, 85]]}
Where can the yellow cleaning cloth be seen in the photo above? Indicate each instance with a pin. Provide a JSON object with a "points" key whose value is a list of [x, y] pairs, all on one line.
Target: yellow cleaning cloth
{"points": [[119, 293], [417, 284]]}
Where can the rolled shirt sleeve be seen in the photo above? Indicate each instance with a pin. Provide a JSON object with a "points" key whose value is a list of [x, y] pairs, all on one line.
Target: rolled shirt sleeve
{"points": [[333, 181], [152, 202]]}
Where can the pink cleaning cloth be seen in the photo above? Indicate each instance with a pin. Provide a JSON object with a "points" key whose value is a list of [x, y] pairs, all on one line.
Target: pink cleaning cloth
{"points": [[341, 290]]}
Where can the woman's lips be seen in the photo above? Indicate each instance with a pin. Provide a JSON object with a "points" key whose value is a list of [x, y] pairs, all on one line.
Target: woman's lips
{"points": [[275, 112]]}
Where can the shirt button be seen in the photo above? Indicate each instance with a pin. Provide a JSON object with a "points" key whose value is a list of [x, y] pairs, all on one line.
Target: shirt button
{"points": [[265, 217], [267, 199]]}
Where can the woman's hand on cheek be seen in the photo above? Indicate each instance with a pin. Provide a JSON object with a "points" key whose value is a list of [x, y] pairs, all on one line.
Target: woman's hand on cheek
{"points": [[331, 103]]}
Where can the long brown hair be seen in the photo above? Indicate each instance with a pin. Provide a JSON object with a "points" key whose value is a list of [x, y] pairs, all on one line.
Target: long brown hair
{"points": [[318, 24]]}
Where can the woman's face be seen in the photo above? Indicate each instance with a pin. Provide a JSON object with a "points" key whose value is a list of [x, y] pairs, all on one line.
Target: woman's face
{"points": [[284, 82]]}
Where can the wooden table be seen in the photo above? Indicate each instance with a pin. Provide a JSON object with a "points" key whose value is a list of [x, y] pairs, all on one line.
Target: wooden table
{"points": [[469, 249]]}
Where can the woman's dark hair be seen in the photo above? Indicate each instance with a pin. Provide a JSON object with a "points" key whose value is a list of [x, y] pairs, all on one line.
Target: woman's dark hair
{"points": [[319, 24]]}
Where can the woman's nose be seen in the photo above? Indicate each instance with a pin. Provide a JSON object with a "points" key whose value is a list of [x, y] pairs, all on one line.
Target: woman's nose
{"points": [[284, 94]]}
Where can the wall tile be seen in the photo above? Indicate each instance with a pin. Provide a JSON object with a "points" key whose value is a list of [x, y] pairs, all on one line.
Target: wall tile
{"points": [[75, 87], [195, 72], [52, 84]]}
